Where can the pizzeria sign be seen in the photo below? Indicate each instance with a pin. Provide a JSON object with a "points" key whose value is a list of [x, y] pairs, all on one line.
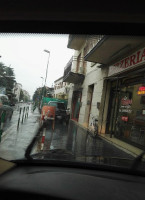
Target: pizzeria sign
{"points": [[136, 58]]}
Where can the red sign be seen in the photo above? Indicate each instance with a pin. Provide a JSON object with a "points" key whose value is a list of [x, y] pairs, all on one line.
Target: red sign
{"points": [[124, 118], [141, 90]]}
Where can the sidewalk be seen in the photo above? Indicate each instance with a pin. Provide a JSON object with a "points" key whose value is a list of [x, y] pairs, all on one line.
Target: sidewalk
{"points": [[14, 142], [128, 148]]}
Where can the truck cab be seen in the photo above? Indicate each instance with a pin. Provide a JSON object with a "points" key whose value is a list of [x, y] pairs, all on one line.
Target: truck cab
{"points": [[60, 112]]}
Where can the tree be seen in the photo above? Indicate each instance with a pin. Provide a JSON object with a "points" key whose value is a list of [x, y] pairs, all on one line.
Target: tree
{"points": [[26, 98], [21, 95], [7, 77], [42, 92], [37, 94]]}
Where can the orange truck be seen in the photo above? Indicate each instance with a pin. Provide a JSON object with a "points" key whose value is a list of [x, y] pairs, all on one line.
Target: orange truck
{"points": [[48, 113]]}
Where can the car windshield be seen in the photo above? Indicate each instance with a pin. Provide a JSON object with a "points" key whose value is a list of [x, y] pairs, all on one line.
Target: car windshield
{"points": [[97, 83], [60, 106], [52, 104]]}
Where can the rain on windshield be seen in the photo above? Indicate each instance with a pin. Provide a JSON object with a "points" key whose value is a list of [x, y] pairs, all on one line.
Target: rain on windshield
{"points": [[82, 98]]}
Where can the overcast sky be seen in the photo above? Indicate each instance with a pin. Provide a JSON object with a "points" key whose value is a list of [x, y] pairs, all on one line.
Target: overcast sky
{"points": [[25, 54]]}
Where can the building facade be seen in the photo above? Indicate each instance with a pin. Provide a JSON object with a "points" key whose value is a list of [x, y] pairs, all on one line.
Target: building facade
{"points": [[122, 108], [17, 90], [87, 81], [26, 96], [107, 81], [49, 91], [61, 89]]}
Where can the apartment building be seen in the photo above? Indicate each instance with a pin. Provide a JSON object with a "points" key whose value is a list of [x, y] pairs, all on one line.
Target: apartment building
{"points": [[107, 75], [16, 90], [61, 89], [87, 80]]}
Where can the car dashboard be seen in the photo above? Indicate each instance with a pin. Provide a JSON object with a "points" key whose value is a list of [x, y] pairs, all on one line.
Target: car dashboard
{"points": [[60, 182]]}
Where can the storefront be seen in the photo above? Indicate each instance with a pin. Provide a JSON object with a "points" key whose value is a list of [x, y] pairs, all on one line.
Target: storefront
{"points": [[126, 112]]}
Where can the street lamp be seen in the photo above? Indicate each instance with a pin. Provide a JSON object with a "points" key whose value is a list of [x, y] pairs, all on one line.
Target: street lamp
{"points": [[47, 65], [43, 87]]}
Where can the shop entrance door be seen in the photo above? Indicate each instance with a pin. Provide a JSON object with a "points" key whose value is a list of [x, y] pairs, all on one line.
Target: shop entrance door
{"points": [[112, 112], [76, 101]]}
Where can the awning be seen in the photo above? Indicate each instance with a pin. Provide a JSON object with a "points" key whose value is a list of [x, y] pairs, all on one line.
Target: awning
{"points": [[110, 48], [75, 78]]}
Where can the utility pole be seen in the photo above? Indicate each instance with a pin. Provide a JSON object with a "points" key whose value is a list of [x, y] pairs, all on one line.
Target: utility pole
{"points": [[47, 65]]}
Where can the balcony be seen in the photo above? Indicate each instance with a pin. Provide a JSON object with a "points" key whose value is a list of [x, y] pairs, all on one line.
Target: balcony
{"points": [[76, 41], [113, 48], [70, 76]]}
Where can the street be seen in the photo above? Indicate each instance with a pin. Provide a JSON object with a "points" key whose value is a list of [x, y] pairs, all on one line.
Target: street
{"points": [[74, 143], [68, 142], [15, 140]]}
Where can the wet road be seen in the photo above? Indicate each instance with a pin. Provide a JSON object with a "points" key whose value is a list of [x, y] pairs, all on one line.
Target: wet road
{"points": [[65, 142], [14, 142], [75, 143]]}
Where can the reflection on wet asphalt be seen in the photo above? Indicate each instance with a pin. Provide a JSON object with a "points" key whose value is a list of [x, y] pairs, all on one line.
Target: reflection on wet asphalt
{"points": [[56, 139], [74, 142], [15, 142]]}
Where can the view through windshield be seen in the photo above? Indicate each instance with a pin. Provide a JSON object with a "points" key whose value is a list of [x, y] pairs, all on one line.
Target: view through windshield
{"points": [[79, 98]]}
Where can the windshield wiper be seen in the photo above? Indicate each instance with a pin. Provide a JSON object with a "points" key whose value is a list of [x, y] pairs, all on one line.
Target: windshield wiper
{"points": [[137, 161]]}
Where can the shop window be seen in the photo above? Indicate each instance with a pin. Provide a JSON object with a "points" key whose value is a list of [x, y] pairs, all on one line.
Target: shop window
{"points": [[130, 118]]}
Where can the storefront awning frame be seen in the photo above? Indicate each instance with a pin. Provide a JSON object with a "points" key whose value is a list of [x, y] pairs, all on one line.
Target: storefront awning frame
{"points": [[112, 48]]}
